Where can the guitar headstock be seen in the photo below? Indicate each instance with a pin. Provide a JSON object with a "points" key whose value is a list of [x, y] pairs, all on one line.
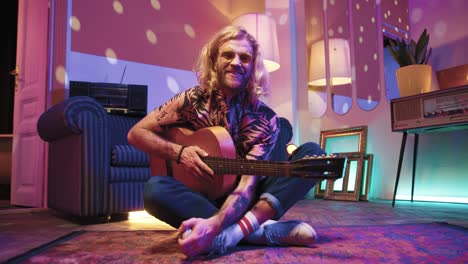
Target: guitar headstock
{"points": [[325, 167]]}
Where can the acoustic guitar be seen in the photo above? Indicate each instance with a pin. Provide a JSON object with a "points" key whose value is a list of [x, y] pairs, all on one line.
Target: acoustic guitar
{"points": [[222, 160]]}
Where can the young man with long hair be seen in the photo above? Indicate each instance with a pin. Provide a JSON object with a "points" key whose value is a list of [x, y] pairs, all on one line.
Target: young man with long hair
{"points": [[231, 77]]}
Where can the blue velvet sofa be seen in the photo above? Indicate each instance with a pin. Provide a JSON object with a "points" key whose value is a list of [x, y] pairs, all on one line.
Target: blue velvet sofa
{"points": [[92, 169]]}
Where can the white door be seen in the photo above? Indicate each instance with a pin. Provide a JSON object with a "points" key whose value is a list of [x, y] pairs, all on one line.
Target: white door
{"points": [[28, 170]]}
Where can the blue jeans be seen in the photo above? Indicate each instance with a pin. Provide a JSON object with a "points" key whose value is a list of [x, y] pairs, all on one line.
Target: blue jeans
{"points": [[172, 202]]}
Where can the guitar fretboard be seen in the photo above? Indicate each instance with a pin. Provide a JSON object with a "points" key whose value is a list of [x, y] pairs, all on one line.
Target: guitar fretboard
{"points": [[322, 168]]}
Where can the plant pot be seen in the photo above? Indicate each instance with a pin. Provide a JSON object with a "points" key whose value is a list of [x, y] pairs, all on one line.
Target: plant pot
{"points": [[414, 79]]}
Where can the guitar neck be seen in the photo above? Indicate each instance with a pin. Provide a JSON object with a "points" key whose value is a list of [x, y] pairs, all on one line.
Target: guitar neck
{"points": [[319, 168], [247, 167]]}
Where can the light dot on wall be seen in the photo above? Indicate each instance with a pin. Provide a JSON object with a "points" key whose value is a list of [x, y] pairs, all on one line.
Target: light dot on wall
{"points": [[416, 15], [155, 4], [360, 39], [332, 2], [389, 13], [111, 56], [75, 23], [331, 32], [375, 56], [372, 19], [60, 74], [340, 29], [314, 21], [283, 19], [118, 7], [365, 68], [385, 15], [358, 6], [317, 104], [396, 2], [345, 108], [399, 19], [440, 29], [361, 28], [172, 85], [151, 36], [189, 31]]}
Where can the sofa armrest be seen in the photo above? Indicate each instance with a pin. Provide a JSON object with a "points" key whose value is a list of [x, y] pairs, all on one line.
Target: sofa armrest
{"points": [[65, 118], [77, 130]]}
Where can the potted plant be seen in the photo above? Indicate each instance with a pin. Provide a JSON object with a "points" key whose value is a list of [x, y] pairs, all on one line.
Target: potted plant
{"points": [[415, 74]]}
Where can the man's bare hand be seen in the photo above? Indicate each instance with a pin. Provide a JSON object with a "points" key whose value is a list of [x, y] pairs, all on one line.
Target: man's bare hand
{"points": [[194, 166], [199, 239]]}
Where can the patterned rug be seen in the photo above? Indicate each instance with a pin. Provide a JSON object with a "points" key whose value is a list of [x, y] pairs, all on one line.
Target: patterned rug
{"points": [[405, 243]]}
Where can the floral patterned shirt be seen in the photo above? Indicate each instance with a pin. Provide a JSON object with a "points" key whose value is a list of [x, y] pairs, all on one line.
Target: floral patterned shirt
{"points": [[253, 128]]}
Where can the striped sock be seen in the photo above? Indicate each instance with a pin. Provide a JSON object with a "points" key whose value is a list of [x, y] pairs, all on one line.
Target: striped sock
{"points": [[236, 232], [248, 224]]}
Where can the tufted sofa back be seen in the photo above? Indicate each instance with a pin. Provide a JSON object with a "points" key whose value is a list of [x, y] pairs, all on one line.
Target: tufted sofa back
{"points": [[279, 152]]}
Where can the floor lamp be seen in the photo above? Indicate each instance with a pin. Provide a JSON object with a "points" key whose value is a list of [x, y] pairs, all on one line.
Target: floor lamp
{"points": [[263, 28]]}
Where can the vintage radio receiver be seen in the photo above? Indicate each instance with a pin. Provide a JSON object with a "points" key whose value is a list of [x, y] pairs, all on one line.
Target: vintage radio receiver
{"points": [[438, 110], [116, 98]]}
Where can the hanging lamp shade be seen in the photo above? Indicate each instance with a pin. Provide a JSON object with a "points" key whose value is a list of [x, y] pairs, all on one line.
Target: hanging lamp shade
{"points": [[339, 61], [263, 28]]}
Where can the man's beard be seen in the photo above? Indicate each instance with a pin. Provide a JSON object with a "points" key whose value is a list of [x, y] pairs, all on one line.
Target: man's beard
{"points": [[233, 82]]}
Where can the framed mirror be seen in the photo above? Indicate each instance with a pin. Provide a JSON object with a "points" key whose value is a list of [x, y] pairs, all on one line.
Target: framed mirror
{"points": [[350, 143], [352, 139]]}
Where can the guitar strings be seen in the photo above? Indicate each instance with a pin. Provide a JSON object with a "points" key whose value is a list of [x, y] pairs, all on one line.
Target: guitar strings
{"points": [[272, 168]]}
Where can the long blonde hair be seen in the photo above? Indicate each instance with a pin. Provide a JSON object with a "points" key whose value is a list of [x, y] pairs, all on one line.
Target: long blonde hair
{"points": [[257, 85]]}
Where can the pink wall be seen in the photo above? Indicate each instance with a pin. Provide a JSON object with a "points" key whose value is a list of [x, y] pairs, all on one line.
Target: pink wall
{"points": [[281, 97], [446, 24], [180, 29]]}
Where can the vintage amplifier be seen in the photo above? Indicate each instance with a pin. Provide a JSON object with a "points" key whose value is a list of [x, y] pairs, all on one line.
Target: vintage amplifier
{"points": [[116, 98], [434, 111]]}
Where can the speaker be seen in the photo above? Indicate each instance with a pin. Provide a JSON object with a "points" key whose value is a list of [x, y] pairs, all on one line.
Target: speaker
{"points": [[439, 110], [116, 98], [137, 97]]}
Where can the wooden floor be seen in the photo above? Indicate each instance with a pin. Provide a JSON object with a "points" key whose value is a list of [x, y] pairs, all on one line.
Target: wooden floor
{"points": [[22, 229]]}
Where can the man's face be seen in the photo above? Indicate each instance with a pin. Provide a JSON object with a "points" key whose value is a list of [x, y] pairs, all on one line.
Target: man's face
{"points": [[234, 65]]}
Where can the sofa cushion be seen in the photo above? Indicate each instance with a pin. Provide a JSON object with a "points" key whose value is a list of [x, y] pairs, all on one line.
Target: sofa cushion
{"points": [[129, 156], [129, 174]]}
